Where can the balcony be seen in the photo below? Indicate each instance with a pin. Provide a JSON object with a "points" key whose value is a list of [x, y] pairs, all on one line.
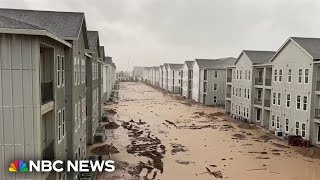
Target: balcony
{"points": [[268, 82], [318, 86], [228, 95], [229, 79], [46, 92], [258, 101], [258, 81], [267, 103], [317, 113]]}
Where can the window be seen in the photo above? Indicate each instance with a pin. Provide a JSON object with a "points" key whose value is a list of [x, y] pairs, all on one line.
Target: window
{"points": [[247, 112], [318, 133], [83, 109], [289, 75], [239, 111], [303, 130], [234, 74], [233, 91], [236, 108], [287, 125], [236, 92], [216, 74], [59, 125], [205, 73], [249, 75], [300, 76], [275, 75], [278, 122], [239, 92], [297, 128], [279, 99], [215, 87], [75, 70], [179, 73], [244, 111], [79, 111], [214, 99], [205, 87], [63, 121], [280, 75], [248, 94], [306, 76], [245, 93], [288, 100], [78, 69], [305, 101], [237, 74], [232, 107], [58, 71], [272, 120], [62, 71], [240, 74], [75, 116], [298, 102], [274, 98]]}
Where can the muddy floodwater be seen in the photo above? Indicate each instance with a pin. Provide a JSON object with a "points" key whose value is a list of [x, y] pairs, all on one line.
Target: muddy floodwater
{"points": [[163, 137]]}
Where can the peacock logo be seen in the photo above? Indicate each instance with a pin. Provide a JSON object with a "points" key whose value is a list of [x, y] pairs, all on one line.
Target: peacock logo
{"points": [[18, 166]]}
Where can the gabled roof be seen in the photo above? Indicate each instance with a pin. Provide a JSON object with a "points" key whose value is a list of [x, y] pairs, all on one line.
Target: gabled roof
{"points": [[66, 25], [257, 57], [206, 62], [189, 64], [223, 63], [310, 45], [93, 38], [166, 65], [6, 22], [175, 66], [108, 59]]}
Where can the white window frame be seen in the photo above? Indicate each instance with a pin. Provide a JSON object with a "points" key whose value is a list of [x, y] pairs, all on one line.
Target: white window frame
{"points": [[245, 93], [298, 102], [304, 131], [76, 116], [63, 75], [274, 98], [289, 80], [287, 121], [216, 74], [215, 87], [63, 121], [58, 71], [248, 93], [75, 70], [247, 112], [306, 76], [300, 72], [215, 99], [288, 100], [280, 75], [278, 122], [79, 113], [59, 126], [272, 120], [305, 103], [275, 78], [297, 128], [279, 99], [246, 75], [249, 74], [239, 92]]}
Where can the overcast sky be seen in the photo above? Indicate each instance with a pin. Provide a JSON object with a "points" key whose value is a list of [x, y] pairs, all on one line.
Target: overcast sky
{"points": [[152, 32]]}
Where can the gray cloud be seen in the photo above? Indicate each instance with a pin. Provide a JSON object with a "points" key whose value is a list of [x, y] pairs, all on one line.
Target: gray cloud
{"points": [[152, 32]]}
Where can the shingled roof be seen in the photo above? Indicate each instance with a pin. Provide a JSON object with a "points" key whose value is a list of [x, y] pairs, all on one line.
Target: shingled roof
{"points": [[63, 24], [108, 59], [206, 62], [189, 64], [93, 37], [258, 57], [223, 63], [175, 66], [6, 22], [310, 45]]}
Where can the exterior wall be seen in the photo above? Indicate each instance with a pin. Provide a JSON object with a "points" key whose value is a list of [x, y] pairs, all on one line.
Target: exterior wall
{"points": [[195, 82], [292, 57], [170, 80], [185, 80], [165, 78], [161, 77], [138, 71], [75, 92], [238, 103], [219, 93], [177, 81]]}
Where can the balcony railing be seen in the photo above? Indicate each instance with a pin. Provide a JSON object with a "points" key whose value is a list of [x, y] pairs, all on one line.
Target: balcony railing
{"points": [[228, 95], [258, 81], [46, 92], [317, 113], [267, 82], [258, 101], [267, 103], [318, 86], [229, 79]]}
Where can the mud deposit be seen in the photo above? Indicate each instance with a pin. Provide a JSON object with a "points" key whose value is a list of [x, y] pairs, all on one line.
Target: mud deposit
{"points": [[164, 136]]}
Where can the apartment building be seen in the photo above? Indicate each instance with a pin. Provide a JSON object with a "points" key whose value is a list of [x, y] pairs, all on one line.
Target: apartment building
{"points": [[155, 75], [165, 76], [245, 89], [161, 76], [212, 85], [93, 85], [197, 69], [138, 72], [45, 106], [187, 79], [147, 75], [109, 76], [174, 78]]}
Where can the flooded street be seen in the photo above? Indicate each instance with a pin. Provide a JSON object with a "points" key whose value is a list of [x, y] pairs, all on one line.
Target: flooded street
{"points": [[163, 137]]}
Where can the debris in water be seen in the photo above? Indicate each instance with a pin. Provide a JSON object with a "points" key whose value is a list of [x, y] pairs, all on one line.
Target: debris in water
{"points": [[111, 125], [177, 148], [111, 111], [105, 150]]}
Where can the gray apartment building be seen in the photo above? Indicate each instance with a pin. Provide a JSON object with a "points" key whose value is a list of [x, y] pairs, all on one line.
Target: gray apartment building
{"points": [[43, 88], [187, 79], [93, 85]]}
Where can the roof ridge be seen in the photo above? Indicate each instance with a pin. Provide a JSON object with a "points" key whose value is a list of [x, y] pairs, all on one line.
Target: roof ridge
{"points": [[43, 10]]}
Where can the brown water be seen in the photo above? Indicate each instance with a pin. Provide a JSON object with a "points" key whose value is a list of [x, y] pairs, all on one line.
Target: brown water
{"points": [[199, 141]]}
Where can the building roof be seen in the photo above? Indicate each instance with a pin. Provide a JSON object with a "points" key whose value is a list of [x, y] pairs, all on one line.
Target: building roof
{"points": [[258, 57], [6, 22], [310, 45], [102, 52], [66, 25], [189, 64], [206, 62], [223, 63], [113, 65], [156, 67], [108, 60], [175, 66], [166, 65], [93, 39]]}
